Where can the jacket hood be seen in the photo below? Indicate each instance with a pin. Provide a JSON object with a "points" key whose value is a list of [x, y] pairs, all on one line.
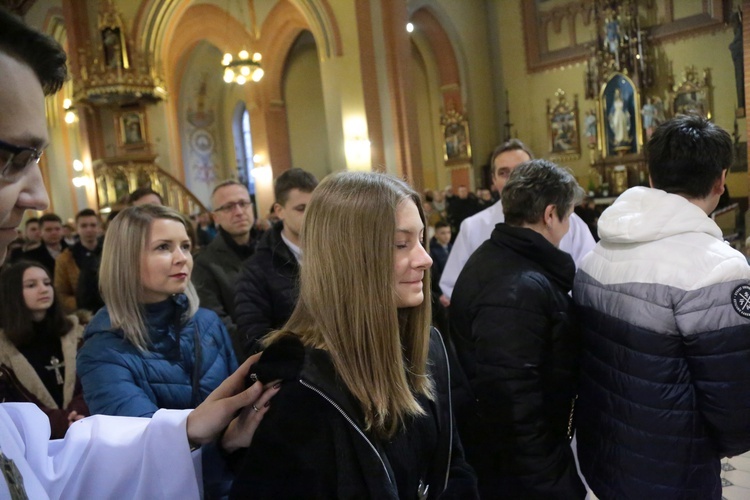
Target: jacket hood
{"points": [[644, 214], [171, 311]]}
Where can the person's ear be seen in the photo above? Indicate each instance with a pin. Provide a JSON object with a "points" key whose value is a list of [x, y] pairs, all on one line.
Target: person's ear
{"points": [[718, 187], [549, 213], [278, 210]]}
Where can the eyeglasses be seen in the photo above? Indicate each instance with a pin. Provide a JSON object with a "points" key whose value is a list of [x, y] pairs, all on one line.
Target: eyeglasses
{"points": [[229, 207], [15, 159]]}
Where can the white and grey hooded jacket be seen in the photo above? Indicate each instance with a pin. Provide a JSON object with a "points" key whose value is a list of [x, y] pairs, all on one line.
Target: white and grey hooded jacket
{"points": [[665, 382]]}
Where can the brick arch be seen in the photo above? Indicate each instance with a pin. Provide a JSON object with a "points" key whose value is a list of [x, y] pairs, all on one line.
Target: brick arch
{"points": [[449, 70], [280, 30], [441, 45], [198, 23]]}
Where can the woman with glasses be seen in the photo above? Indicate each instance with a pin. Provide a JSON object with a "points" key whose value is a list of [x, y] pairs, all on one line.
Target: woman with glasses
{"points": [[365, 411], [38, 346]]}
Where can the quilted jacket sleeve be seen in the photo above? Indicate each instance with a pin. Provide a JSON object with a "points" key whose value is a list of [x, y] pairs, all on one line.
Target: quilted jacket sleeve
{"points": [[109, 385], [719, 367], [253, 308]]}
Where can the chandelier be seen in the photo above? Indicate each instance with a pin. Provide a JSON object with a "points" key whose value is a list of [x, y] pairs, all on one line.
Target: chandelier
{"points": [[244, 67]]}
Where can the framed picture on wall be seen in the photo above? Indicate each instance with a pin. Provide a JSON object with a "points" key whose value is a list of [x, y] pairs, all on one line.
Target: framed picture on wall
{"points": [[621, 124], [456, 142], [562, 126], [692, 95], [131, 129]]}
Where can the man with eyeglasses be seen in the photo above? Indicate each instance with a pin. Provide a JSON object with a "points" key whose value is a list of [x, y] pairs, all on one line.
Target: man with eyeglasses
{"points": [[115, 457], [477, 229], [218, 265]]}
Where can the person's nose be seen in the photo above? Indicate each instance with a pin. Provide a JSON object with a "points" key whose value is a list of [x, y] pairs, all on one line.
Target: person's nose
{"points": [[33, 195], [422, 259]]}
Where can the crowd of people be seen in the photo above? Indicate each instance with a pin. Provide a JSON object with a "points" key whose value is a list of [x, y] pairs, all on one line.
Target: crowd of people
{"points": [[390, 344]]}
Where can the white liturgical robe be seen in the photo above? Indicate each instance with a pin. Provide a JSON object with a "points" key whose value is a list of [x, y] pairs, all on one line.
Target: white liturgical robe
{"points": [[100, 457]]}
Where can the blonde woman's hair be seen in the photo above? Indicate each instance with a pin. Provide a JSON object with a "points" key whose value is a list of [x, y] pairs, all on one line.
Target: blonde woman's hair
{"points": [[348, 305], [120, 270]]}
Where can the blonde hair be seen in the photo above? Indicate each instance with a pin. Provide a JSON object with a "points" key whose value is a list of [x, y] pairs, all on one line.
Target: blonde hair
{"points": [[348, 305], [120, 271]]}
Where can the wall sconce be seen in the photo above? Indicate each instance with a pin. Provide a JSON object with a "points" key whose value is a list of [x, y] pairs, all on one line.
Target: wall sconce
{"points": [[78, 165], [70, 111], [80, 181], [357, 150], [356, 144]]}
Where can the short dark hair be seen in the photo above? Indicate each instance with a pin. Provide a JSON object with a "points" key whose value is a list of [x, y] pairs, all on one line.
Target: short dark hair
{"points": [[86, 212], [441, 224], [15, 316], [511, 145], [141, 192], [50, 218], [41, 53], [533, 186], [31, 220], [294, 178], [687, 154]]}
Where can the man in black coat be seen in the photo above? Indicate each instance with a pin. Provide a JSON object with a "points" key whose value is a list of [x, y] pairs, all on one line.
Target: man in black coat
{"points": [[518, 344], [218, 265], [267, 289]]}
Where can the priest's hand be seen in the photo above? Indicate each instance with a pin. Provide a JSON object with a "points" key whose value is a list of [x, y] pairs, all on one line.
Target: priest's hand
{"points": [[221, 407]]}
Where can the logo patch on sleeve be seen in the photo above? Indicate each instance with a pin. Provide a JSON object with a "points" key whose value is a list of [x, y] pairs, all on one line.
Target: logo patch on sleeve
{"points": [[741, 300]]}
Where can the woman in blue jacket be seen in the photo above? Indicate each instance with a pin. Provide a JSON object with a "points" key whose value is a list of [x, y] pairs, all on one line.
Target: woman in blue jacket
{"points": [[151, 347]]}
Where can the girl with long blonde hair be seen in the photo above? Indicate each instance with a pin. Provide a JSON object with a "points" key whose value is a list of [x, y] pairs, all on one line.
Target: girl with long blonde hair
{"points": [[366, 410]]}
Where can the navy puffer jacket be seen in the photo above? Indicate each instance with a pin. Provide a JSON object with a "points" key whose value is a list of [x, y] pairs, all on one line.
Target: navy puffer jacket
{"points": [[119, 379]]}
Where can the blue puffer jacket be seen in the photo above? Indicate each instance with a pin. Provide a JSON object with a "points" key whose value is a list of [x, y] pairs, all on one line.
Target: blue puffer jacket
{"points": [[118, 379]]}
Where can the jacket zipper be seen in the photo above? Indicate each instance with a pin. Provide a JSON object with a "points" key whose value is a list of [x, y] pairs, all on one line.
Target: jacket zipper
{"points": [[351, 422], [450, 411]]}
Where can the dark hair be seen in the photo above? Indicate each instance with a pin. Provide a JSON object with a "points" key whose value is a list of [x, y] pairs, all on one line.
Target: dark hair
{"points": [[50, 218], [86, 212], [511, 145], [141, 192], [31, 221], [15, 316], [41, 53], [687, 154], [533, 186], [294, 178], [441, 224]]}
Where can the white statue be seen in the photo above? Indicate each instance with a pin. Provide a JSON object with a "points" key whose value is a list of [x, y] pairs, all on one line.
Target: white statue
{"points": [[619, 120]]}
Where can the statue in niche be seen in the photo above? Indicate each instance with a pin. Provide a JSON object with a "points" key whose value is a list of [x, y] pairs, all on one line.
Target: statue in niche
{"points": [[612, 41], [735, 48], [112, 41], [619, 120], [589, 123]]}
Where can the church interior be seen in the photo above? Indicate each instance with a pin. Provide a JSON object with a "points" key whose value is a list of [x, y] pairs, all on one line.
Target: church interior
{"points": [[180, 95]]}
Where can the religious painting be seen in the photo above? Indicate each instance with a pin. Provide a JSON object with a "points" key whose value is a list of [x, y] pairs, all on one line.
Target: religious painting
{"points": [[131, 127], [562, 125], [692, 94], [456, 145], [620, 116]]}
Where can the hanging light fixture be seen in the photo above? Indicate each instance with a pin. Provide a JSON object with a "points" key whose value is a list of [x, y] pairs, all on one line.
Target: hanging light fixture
{"points": [[243, 68]]}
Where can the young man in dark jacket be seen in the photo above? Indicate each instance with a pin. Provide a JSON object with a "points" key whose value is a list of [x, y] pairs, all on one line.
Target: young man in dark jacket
{"points": [[665, 377], [267, 289]]}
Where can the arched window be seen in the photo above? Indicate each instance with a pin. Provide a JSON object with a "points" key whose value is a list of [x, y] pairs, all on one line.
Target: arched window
{"points": [[243, 146]]}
